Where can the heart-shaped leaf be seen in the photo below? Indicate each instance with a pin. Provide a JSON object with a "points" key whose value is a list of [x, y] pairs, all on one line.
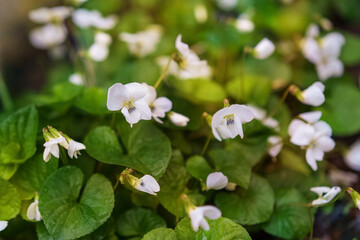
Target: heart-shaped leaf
{"points": [[10, 202], [69, 214]]}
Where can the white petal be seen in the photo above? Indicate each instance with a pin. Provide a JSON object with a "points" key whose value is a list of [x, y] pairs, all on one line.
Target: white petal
{"points": [[243, 112], [150, 95], [216, 180], [275, 145], [3, 225], [332, 43], [332, 193], [323, 128], [311, 117], [103, 38], [314, 95], [264, 49], [311, 50], [31, 211], [183, 48], [75, 147], [144, 110], [303, 135], [312, 31], [211, 212], [117, 96], [326, 144], [150, 182], [178, 119], [352, 157], [161, 106], [98, 52], [136, 90], [310, 158], [258, 113], [294, 126], [132, 117], [320, 190]]}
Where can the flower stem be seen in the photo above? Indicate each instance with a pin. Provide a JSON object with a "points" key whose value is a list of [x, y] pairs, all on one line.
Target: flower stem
{"points": [[206, 145], [163, 73], [113, 121], [63, 156], [282, 100], [5, 96], [311, 223]]}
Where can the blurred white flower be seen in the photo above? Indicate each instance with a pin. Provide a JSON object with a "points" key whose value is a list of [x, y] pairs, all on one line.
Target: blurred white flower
{"points": [[314, 136], [339, 177], [142, 43], [3, 225], [314, 95], [77, 79], [147, 184], [311, 117], [325, 194], [84, 18], [55, 15], [48, 36], [32, 212], [129, 98], [227, 122], [226, 5], [216, 180], [159, 106], [260, 115], [352, 157], [201, 14], [244, 24], [103, 38], [263, 49], [276, 145], [178, 119], [324, 52], [99, 50], [74, 148], [198, 214]]}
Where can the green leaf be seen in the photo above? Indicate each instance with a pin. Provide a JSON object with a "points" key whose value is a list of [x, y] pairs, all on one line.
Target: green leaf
{"points": [[67, 214], [198, 167], [18, 136], [92, 100], [257, 89], [232, 165], [222, 228], [200, 90], [289, 220], [59, 93], [137, 222], [103, 145], [294, 161], [173, 184], [31, 175], [340, 110], [10, 202], [251, 206], [348, 56], [161, 234], [8, 170], [148, 149], [42, 232]]}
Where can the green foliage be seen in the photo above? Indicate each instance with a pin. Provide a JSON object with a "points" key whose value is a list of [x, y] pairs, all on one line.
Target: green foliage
{"points": [[198, 167], [221, 228], [92, 100], [248, 207], [137, 222], [290, 219], [9, 200], [348, 55], [69, 213], [161, 234], [31, 175]]}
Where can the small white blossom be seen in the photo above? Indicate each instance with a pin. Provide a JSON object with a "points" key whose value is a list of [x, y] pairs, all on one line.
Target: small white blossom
{"points": [[315, 136], [50, 15], [227, 122], [226, 5], [261, 115], [77, 79], [276, 145], [147, 184], [178, 119], [216, 180], [325, 194], [352, 157], [313, 95], [92, 18], [198, 214], [52, 147], [74, 148], [263, 49], [3, 225], [244, 24], [48, 36], [144, 42], [159, 106], [324, 52], [32, 212], [100, 48], [129, 98]]}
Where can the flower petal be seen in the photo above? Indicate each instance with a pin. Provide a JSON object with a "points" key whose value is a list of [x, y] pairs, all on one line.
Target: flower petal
{"points": [[117, 96]]}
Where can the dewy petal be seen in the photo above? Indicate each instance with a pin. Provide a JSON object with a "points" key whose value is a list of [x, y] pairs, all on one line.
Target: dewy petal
{"points": [[311, 117], [3, 225], [136, 91], [352, 157], [216, 180], [117, 96], [264, 49]]}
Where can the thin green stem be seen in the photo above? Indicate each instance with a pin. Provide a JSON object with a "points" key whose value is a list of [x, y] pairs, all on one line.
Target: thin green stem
{"points": [[206, 145], [311, 223], [63, 156], [113, 121], [242, 76], [5, 96], [282, 100], [165, 70]]}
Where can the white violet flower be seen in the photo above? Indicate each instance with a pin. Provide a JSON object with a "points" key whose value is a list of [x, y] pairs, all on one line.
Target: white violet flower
{"points": [[50, 15], [276, 145], [77, 79], [129, 98], [84, 18], [52, 147], [147, 184], [263, 49], [178, 119], [159, 106], [352, 157], [100, 48], [227, 122], [74, 148], [216, 180], [32, 212], [313, 95], [198, 214], [48, 36], [244, 24], [3, 225], [325, 194]]}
